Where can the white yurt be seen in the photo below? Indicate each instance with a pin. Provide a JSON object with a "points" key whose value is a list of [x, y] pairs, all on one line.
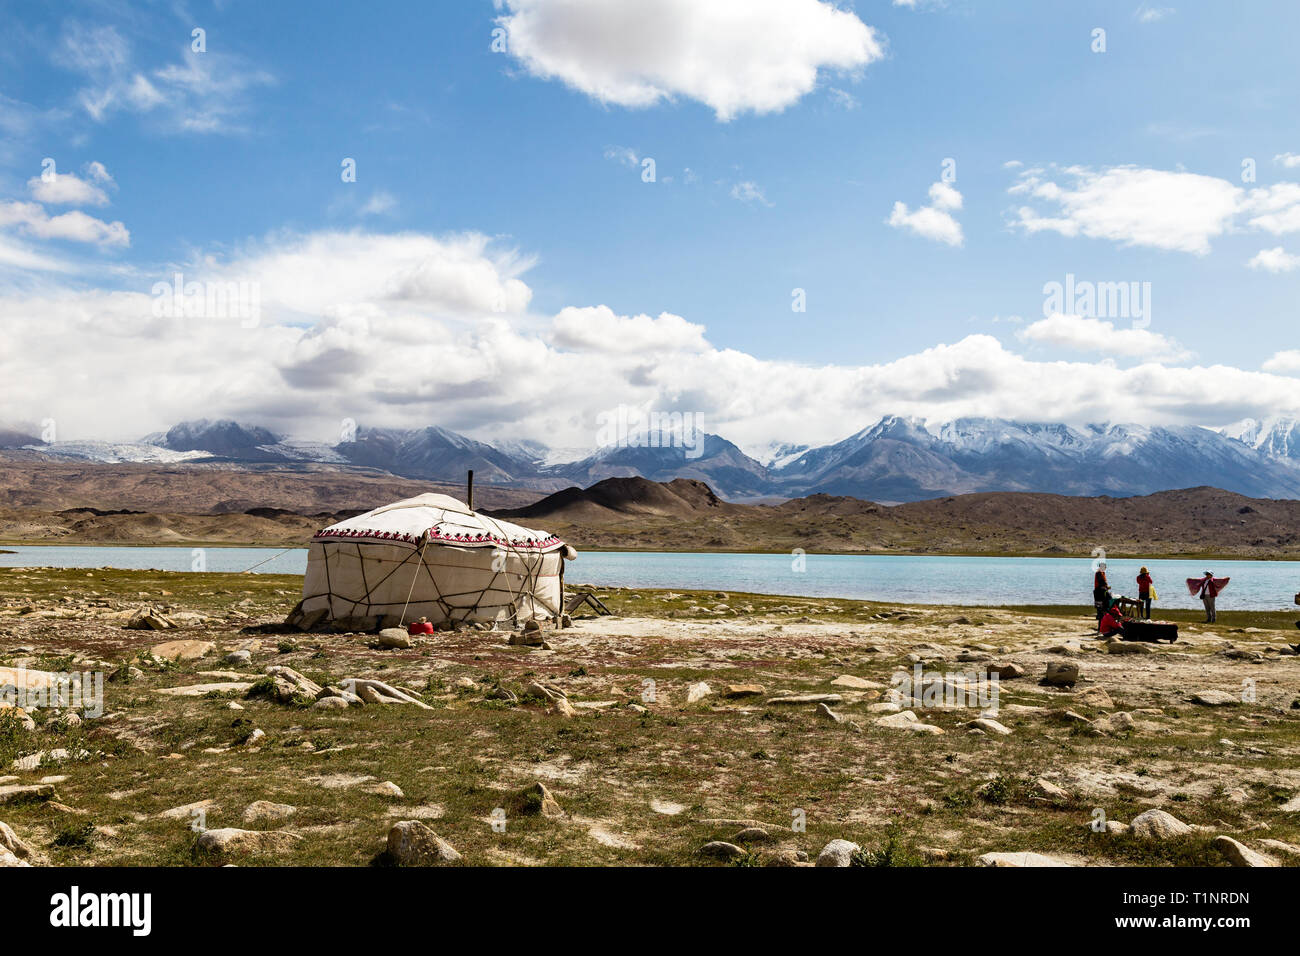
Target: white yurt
{"points": [[431, 556]]}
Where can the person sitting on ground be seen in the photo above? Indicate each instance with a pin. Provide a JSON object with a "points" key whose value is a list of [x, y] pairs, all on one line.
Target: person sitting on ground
{"points": [[1144, 583], [1112, 622], [422, 626]]}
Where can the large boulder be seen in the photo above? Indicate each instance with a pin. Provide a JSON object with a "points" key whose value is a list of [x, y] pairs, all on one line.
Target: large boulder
{"points": [[837, 853], [229, 842], [1158, 825], [412, 843]]}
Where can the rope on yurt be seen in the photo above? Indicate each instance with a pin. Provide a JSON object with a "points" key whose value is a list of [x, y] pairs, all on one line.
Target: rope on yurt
{"points": [[424, 543], [271, 558]]}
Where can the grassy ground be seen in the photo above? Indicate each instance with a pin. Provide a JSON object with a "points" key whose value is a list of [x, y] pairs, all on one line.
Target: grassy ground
{"points": [[643, 788]]}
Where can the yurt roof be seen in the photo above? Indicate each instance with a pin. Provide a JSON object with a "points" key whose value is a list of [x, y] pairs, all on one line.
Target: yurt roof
{"points": [[447, 521]]}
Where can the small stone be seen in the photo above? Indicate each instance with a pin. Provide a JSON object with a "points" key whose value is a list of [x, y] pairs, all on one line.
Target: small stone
{"points": [[1094, 697], [837, 853], [722, 850], [1215, 698], [989, 726], [825, 713], [563, 708], [386, 789], [182, 650], [537, 799], [1006, 671], [265, 810], [9, 841], [697, 692], [1062, 674], [1019, 860], [239, 658], [752, 835], [742, 690], [1046, 790], [857, 683], [231, 841]]}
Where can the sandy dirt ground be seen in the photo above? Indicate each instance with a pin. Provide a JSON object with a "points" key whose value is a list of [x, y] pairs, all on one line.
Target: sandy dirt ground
{"points": [[691, 728]]}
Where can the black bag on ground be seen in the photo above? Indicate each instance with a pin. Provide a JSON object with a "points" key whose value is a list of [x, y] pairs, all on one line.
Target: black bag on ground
{"points": [[1153, 631]]}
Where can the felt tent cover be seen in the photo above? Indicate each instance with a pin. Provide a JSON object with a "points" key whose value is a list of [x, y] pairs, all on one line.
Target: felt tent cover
{"points": [[430, 556]]}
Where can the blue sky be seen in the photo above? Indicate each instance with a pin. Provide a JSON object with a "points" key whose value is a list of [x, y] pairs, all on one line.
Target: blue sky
{"points": [[783, 134]]}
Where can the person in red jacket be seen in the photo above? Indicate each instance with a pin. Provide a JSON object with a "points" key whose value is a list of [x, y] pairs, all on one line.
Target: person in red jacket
{"points": [[1112, 622], [422, 626], [1144, 583]]}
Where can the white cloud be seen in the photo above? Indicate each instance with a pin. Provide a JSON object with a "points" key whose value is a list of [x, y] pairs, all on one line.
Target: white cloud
{"points": [[407, 329], [1083, 334], [1131, 206], [67, 189], [1284, 363], [1289, 160], [1276, 259], [735, 56], [75, 225], [1145, 13], [201, 93], [624, 155], [749, 192], [934, 221], [379, 204]]}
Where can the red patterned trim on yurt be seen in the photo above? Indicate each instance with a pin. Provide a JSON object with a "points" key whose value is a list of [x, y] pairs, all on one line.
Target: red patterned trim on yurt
{"points": [[472, 540]]}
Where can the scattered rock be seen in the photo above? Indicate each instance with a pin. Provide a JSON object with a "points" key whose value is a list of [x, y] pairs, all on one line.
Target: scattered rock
{"points": [[806, 699], [1127, 647], [1006, 671], [1215, 698], [1238, 854], [386, 789], [239, 658], [752, 835], [1062, 674], [826, 713], [989, 726], [412, 843], [265, 810], [734, 691], [721, 850], [1046, 790], [906, 720], [181, 650], [537, 799], [857, 683], [230, 842], [9, 841], [1020, 860], [837, 853], [788, 857], [393, 637], [1158, 825], [1094, 697], [19, 793], [697, 692]]}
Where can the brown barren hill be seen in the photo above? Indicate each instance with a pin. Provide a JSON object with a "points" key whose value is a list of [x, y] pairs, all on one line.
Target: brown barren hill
{"points": [[180, 504]]}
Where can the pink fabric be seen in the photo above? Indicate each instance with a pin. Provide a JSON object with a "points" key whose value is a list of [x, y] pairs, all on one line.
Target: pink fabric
{"points": [[1213, 589]]}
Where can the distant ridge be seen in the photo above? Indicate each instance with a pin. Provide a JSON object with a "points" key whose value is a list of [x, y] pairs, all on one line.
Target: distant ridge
{"points": [[895, 460]]}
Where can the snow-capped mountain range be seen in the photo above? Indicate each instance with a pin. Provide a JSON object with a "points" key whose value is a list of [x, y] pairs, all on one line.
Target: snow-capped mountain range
{"points": [[896, 459]]}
